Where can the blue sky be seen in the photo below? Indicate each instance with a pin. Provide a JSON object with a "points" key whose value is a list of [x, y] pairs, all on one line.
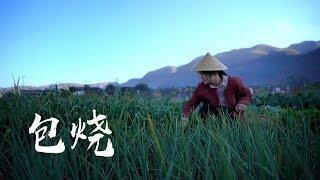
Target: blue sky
{"points": [[55, 41]]}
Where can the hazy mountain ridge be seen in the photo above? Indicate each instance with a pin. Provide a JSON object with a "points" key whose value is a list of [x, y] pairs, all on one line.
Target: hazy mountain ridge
{"points": [[260, 64], [257, 65], [64, 86]]}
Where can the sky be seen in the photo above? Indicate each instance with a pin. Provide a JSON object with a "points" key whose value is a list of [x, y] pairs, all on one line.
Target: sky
{"points": [[89, 41]]}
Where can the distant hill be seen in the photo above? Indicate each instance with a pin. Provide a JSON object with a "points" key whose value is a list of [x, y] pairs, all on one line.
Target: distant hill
{"points": [[257, 65], [64, 86], [306, 46]]}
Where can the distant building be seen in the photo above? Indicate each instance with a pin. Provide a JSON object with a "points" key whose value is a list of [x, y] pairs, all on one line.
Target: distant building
{"points": [[251, 90], [277, 90], [80, 91]]}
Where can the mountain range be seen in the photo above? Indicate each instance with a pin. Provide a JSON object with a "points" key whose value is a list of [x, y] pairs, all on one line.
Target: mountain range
{"points": [[258, 65]]}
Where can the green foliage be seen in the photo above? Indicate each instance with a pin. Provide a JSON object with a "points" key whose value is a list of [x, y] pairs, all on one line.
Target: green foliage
{"points": [[299, 100], [149, 143]]}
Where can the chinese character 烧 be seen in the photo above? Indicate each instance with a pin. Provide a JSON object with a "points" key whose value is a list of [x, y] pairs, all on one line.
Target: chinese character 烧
{"points": [[77, 132]]}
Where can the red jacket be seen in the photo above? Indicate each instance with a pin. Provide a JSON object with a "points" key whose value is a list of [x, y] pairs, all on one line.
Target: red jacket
{"points": [[236, 92]]}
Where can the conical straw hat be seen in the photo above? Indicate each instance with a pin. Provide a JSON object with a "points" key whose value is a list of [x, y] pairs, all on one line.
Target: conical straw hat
{"points": [[210, 63]]}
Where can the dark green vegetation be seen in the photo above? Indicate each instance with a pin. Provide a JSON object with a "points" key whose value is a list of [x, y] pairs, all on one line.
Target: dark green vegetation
{"points": [[149, 143]]}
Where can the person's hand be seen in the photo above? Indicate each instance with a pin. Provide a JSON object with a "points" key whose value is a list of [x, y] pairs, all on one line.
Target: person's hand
{"points": [[241, 107], [184, 122]]}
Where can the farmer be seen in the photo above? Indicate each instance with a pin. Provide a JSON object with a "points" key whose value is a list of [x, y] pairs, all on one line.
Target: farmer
{"points": [[217, 91]]}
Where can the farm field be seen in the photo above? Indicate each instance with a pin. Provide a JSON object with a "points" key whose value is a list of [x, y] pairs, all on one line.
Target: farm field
{"points": [[148, 142]]}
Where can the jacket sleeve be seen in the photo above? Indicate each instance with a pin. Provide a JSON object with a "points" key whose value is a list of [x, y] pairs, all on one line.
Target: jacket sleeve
{"points": [[245, 97], [192, 103]]}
